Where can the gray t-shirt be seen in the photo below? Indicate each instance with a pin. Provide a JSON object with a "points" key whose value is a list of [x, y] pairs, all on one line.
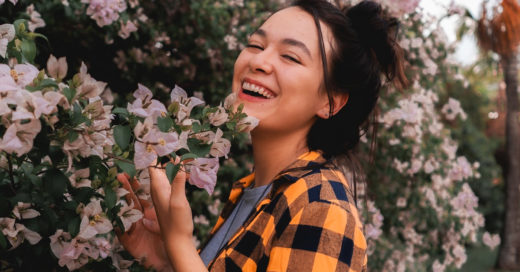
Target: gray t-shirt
{"points": [[250, 198]]}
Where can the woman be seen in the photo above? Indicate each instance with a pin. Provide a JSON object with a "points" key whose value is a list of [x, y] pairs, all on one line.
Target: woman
{"points": [[311, 74]]}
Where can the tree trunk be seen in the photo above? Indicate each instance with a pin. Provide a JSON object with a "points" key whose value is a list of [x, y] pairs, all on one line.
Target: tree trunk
{"points": [[509, 257]]}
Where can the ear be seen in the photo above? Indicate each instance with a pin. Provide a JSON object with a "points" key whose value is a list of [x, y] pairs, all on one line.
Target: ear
{"points": [[339, 100]]}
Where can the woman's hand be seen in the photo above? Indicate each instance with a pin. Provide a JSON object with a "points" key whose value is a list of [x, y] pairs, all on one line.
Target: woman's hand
{"points": [[143, 240], [175, 219]]}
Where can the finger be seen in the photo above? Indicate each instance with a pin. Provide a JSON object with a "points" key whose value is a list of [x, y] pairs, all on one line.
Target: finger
{"points": [[178, 187], [130, 197], [159, 188], [152, 226]]}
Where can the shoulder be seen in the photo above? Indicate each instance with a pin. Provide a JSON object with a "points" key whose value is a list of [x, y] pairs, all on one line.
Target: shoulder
{"points": [[323, 184]]}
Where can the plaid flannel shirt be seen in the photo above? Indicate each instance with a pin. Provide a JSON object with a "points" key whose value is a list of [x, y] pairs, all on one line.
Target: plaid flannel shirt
{"points": [[308, 222]]}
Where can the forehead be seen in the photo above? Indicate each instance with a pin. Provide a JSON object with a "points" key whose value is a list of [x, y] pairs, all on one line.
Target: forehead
{"points": [[296, 23]]}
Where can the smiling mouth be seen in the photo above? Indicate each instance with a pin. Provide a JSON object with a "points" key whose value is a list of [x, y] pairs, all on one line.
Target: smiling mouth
{"points": [[256, 91]]}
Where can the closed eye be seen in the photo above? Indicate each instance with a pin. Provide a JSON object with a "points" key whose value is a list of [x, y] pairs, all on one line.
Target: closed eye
{"points": [[254, 46], [291, 59]]}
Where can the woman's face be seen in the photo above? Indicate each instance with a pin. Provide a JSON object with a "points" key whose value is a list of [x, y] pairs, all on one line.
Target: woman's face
{"points": [[279, 75]]}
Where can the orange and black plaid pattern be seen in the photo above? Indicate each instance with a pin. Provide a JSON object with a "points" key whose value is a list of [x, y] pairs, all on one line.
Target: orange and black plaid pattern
{"points": [[308, 222]]}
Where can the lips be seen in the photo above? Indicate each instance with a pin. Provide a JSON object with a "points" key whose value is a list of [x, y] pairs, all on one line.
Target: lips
{"points": [[255, 91]]}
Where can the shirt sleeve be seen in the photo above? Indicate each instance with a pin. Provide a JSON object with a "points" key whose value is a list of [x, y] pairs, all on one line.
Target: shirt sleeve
{"points": [[321, 236]]}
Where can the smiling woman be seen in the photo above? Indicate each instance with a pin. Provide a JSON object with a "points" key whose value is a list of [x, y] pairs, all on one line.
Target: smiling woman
{"points": [[311, 74]]}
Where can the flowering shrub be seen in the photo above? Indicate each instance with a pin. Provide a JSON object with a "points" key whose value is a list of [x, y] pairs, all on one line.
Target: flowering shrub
{"points": [[423, 216], [425, 213], [62, 147]]}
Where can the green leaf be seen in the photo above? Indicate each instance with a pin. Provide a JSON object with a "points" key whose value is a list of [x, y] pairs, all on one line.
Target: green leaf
{"points": [[3, 241], [55, 182], [69, 93], [72, 136], [110, 197], [171, 171], [199, 148], [73, 226], [121, 111], [77, 117], [188, 156], [28, 50], [195, 126], [126, 167], [122, 136], [45, 83], [164, 123]]}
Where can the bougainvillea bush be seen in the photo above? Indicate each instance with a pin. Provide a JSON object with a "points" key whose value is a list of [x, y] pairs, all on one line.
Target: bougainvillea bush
{"points": [[62, 147], [421, 213]]}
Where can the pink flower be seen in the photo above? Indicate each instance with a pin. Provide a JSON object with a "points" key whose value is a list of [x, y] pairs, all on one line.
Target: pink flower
{"points": [[79, 178], [128, 215], [57, 68], [152, 143], [7, 34], [491, 241], [105, 11], [23, 211], [247, 124], [17, 233], [35, 20], [203, 173], [126, 29], [186, 104], [144, 106], [219, 117], [19, 137], [21, 76], [58, 241], [93, 221], [220, 146]]}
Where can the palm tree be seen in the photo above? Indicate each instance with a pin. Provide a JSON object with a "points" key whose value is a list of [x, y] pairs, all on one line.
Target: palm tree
{"points": [[501, 34]]}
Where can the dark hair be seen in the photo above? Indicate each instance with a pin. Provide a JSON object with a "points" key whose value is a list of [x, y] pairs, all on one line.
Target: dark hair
{"points": [[364, 48]]}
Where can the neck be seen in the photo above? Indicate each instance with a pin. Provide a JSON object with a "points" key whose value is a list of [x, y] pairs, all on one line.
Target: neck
{"points": [[274, 153]]}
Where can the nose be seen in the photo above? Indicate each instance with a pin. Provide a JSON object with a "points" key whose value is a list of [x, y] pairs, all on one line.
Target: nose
{"points": [[262, 62]]}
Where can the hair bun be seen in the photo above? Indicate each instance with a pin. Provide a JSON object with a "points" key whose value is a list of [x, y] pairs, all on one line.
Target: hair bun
{"points": [[377, 32]]}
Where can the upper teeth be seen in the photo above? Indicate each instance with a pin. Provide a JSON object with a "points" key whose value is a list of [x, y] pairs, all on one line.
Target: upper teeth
{"points": [[257, 89]]}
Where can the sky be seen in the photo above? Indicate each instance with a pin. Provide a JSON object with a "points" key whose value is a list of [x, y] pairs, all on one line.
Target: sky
{"points": [[467, 50]]}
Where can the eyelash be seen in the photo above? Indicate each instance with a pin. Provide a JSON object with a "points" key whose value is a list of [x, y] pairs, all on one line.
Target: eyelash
{"points": [[285, 56]]}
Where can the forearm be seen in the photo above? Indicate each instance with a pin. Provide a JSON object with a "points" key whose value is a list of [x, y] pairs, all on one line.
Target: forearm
{"points": [[183, 255]]}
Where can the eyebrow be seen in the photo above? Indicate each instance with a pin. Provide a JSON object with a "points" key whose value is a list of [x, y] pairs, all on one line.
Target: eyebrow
{"points": [[287, 41]]}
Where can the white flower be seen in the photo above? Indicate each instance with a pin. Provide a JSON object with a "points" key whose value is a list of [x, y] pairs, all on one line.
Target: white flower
{"points": [[93, 221], [491, 241], [79, 178], [126, 29], [220, 146], [144, 106], [452, 109], [7, 34], [152, 143], [230, 100], [16, 233], [57, 68], [35, 20], [19, 137], [21, 76], [128, 214], [461, 170], [58, 241], [219, 117], [247, 124], [89, 87], [203, 173], [72, 254], [186, 104], [23, 211]]}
